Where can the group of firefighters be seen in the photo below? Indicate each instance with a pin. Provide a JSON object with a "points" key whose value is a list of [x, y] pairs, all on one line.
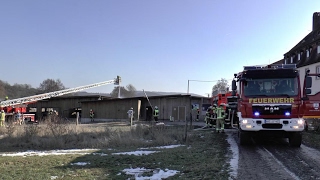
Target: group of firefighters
{"points": [[215, 116], [155, 114], [18, 118]]}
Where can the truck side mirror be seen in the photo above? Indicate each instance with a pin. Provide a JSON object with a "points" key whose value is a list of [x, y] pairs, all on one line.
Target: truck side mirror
{"points": [[308, 91], [234, 85], [308, 82]]}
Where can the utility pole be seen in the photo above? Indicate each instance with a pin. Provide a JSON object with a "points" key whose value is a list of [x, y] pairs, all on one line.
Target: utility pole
{"points": [[119, 90]]}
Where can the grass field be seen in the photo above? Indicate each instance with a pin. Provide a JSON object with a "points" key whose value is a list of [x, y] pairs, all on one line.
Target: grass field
{"points": [[202, 155]]}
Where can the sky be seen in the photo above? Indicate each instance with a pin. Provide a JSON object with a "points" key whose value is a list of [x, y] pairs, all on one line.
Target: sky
{"points": [[153, 45]]}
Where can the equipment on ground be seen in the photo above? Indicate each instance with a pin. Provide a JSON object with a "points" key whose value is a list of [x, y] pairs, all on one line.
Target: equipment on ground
{"points": [[270, 102], [12, 106]]}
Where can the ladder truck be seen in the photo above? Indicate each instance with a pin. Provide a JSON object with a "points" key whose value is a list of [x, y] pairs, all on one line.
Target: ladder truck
{"points": [[12, 106]]}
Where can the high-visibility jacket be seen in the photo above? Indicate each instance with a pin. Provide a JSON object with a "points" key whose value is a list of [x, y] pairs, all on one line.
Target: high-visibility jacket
{"points": [[220, 113], [2, 116], [91, 114], [156, 113]]}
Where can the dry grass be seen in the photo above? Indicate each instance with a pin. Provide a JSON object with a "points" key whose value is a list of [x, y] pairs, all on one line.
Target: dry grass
{"points": [[203, 156], [58, 135]]}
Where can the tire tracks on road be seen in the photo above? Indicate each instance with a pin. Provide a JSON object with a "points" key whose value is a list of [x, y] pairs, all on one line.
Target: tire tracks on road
{"points": [[273, 159]]}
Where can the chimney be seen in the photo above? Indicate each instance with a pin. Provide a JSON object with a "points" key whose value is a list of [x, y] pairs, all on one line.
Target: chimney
{"points": [[316, 21]]}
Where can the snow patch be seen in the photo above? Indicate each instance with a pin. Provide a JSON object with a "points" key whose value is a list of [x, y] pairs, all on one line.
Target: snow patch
{"points": [[137, 153], [80, 163], [234, 161], [52, 152], [157, 173], [164, 147]]}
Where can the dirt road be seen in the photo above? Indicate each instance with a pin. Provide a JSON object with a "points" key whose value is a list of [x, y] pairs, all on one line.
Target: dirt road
{"points": [[273, 159]]}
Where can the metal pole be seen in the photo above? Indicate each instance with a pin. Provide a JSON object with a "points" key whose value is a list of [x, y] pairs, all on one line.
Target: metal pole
{"points": [[119, 91], [188, 87]]}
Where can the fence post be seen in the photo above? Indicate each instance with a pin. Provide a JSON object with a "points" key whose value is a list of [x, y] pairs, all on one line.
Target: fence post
{"points": [[77, 119]]}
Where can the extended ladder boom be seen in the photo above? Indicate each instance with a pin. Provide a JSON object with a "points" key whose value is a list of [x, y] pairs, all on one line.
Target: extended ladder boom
{"points": [[56, 93]]}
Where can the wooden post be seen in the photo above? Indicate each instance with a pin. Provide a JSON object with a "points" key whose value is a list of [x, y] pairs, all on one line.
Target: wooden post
{"points": [[77, 119]]}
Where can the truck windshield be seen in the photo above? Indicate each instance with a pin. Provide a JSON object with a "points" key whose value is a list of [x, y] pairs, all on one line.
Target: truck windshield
{"points": [[271, 87]]}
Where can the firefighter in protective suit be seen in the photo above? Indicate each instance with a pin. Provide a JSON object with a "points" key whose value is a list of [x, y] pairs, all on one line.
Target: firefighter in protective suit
{"points": [[221, 115], [156, 114], [213, 116], [208, 116]]}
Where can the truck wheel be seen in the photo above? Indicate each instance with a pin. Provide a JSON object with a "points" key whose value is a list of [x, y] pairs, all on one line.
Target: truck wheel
{"points": [[244, 138], [295, 139]]}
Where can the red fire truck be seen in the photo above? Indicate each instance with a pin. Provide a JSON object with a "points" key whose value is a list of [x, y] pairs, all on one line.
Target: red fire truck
{"points": [[270, 102], [222, 98], [12, 106]]}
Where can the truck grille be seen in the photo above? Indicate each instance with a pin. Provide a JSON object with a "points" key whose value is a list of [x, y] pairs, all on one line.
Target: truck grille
{"points": [[272, 126], [272, 109]]}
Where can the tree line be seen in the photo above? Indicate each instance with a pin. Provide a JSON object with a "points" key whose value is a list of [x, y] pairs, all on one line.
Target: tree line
{"points": [[49, 85]]}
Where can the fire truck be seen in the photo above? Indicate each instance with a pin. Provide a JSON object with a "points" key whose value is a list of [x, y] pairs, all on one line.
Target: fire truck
{"points": [[221, 97], [270, 102], [12, 106]]}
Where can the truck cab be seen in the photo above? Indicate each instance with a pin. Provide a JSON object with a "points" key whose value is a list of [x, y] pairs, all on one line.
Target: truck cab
{"points": [[270, 103]]}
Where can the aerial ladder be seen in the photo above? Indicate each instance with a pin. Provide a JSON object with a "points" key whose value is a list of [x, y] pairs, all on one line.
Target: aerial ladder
{"points": [[20, 103]]}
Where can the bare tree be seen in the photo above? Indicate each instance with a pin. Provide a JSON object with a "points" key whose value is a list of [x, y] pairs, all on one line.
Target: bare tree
{"points": [[50, 85], [128, 91], [221, 85], [2, 90]]}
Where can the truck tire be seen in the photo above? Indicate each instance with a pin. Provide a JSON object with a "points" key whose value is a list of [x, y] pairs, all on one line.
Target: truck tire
{"points": [[244, 138], [295, 139]]}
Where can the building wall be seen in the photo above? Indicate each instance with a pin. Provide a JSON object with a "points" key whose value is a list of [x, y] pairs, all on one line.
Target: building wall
{"points": [[62, 105], [111, 109], [115, 109], [306, 54], [315, 80]]}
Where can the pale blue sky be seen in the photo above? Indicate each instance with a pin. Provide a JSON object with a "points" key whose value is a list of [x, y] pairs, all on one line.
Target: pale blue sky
{"points": [[153, 45]]}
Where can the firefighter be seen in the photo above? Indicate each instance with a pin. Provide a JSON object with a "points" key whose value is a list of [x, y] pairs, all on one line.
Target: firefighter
{"points": [[130, 113], [213, 116], [91, 113], [220, 112], [2, 118], [208, 115], [18, 118], [55, 112], [198, 113], [156, 114]]}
